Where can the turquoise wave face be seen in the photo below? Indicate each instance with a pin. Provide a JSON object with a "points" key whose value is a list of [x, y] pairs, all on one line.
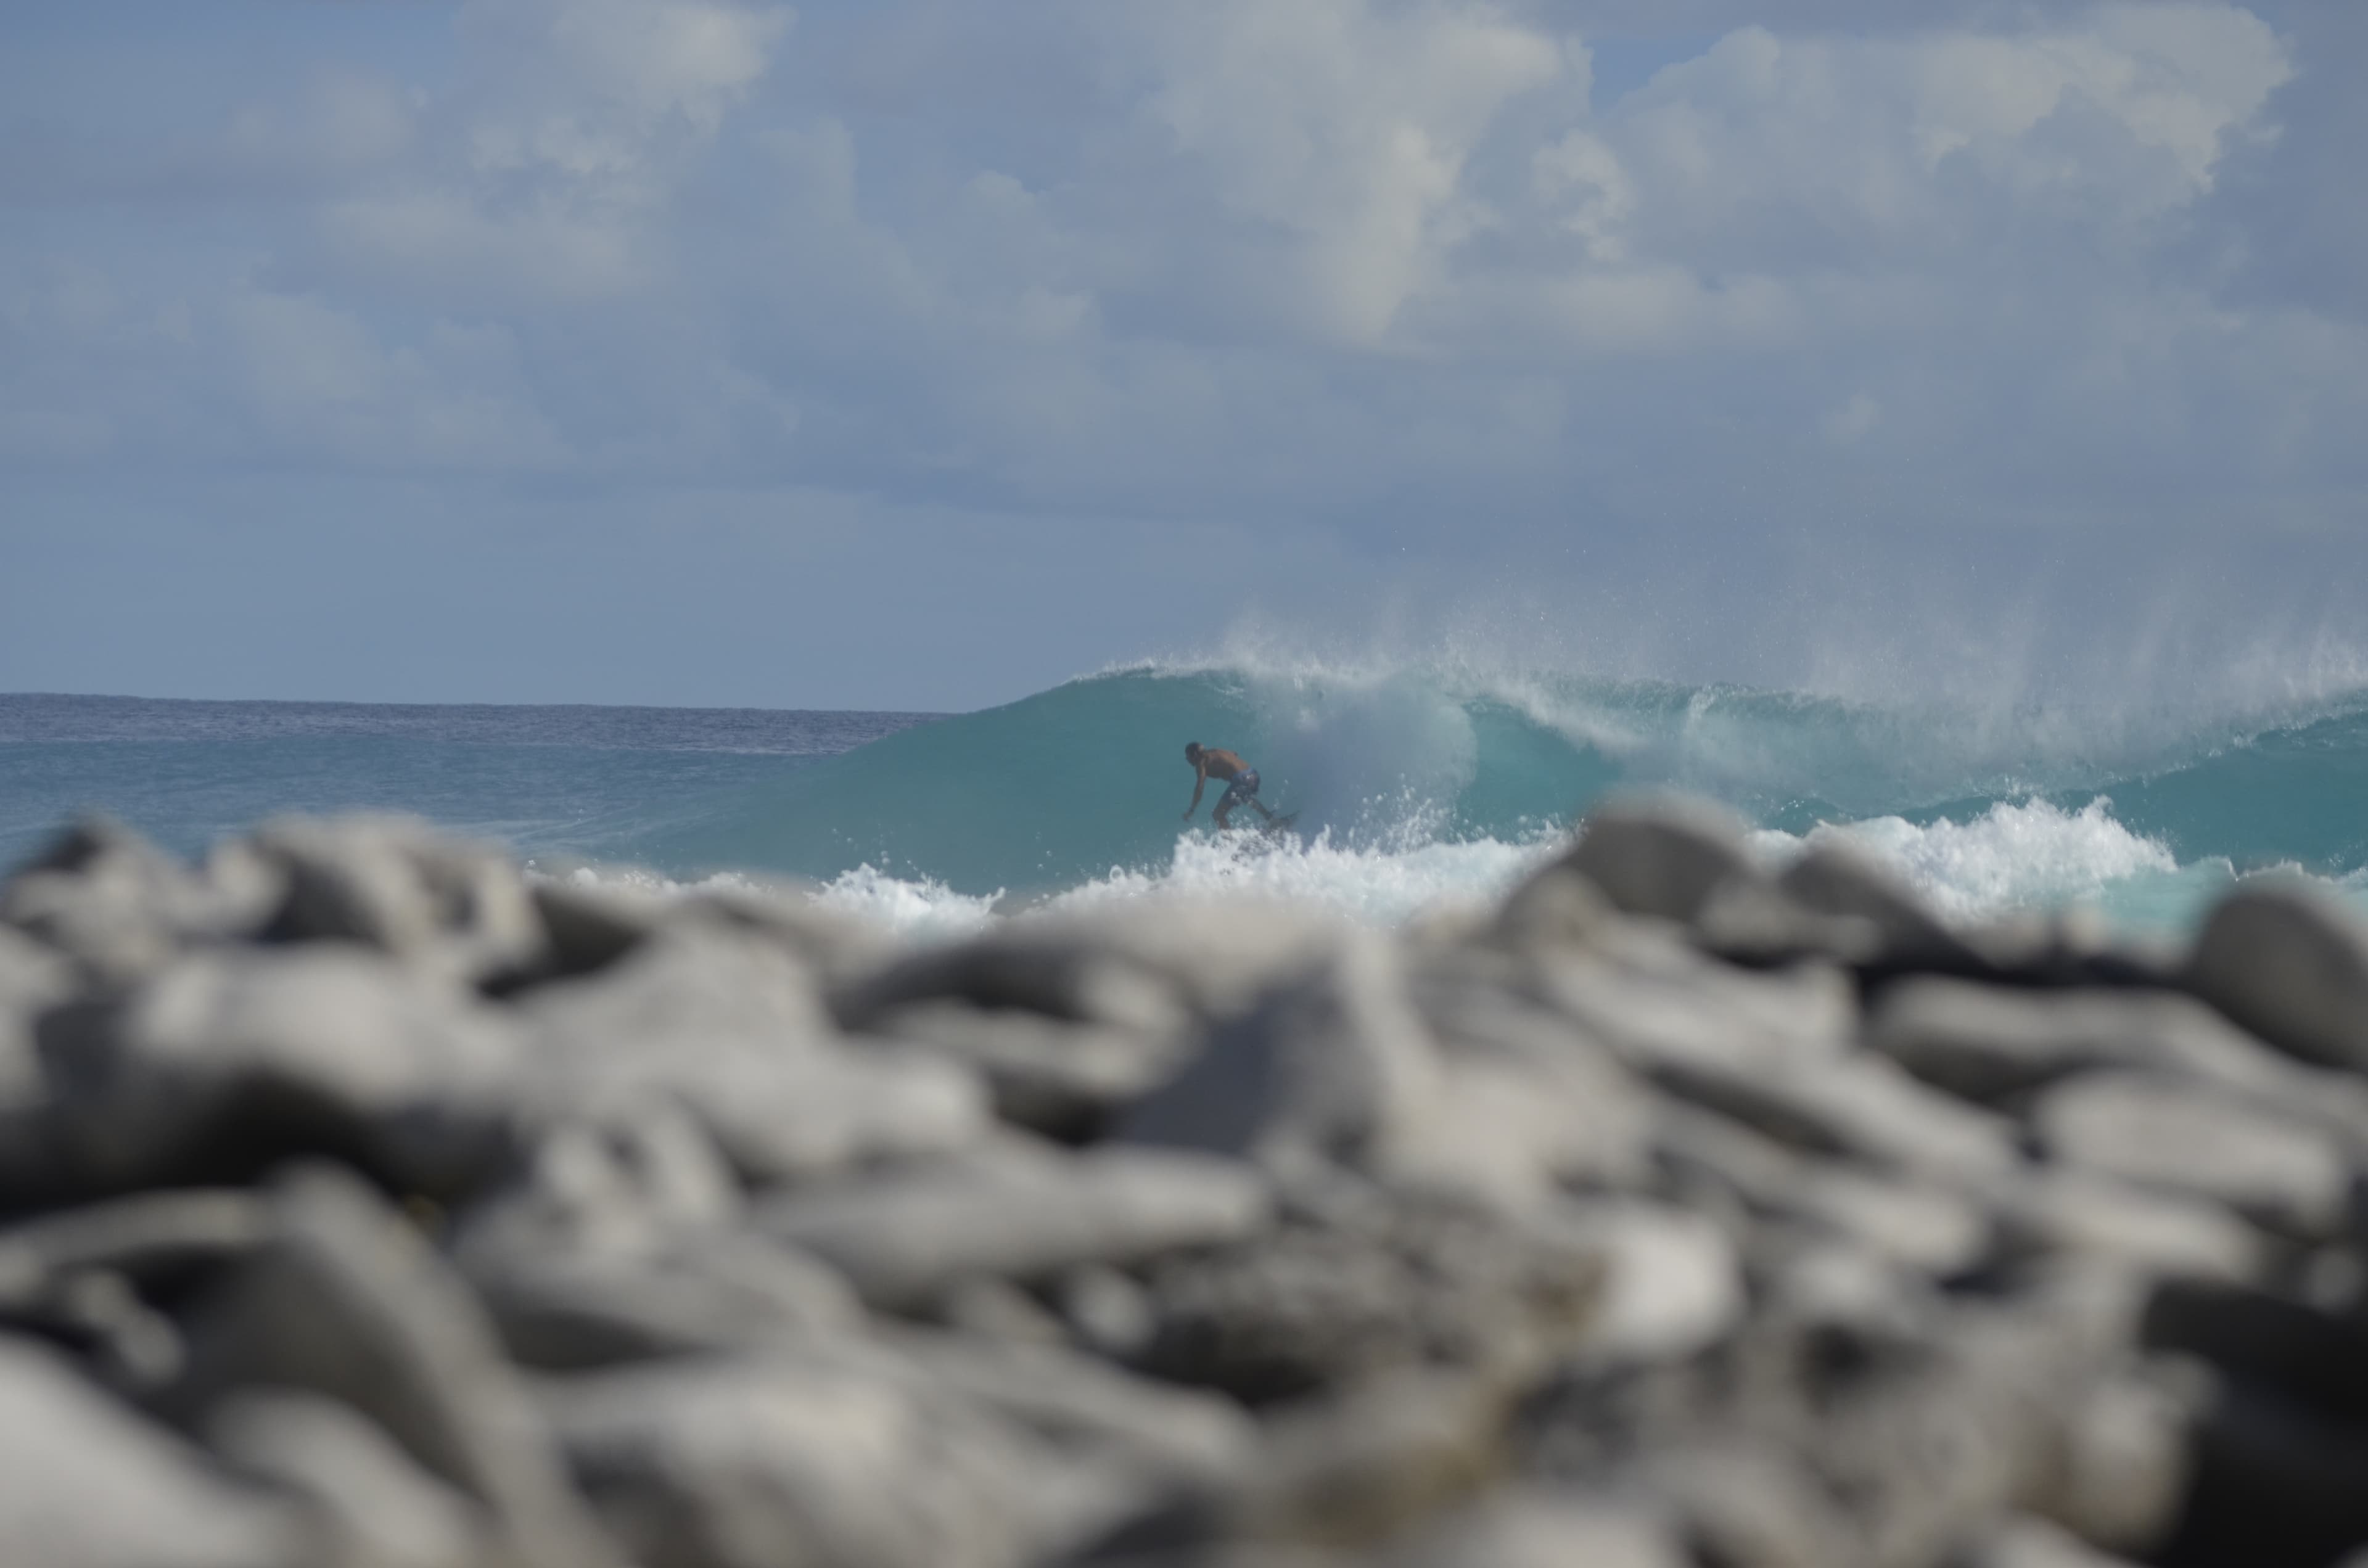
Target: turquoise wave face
{"points": [[1074, 783], [2294, 795], [1411, 785], [1043, 792]]}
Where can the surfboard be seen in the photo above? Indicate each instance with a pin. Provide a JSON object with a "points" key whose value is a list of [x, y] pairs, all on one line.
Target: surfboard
{"points": [[1275, 827]]}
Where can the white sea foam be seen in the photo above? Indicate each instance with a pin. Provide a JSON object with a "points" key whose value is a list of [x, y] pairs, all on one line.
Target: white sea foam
{"points": [[1382, 887], [2013, 855], [921, 908], [1378, 886], [641, 879]]}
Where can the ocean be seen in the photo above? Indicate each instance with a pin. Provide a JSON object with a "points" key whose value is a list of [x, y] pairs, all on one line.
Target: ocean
{"points": [[1413, 785]]}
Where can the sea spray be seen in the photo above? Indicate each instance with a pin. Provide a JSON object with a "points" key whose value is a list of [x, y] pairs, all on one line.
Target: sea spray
{"points": [[1413, 783], [2014, 855]]}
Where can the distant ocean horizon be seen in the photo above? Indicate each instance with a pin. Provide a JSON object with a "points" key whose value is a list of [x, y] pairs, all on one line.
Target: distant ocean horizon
{"points": [[568, 781], [1413, 784]]}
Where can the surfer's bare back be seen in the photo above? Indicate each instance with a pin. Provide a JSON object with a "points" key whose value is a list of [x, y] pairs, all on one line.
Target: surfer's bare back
{"points": [[1241, 782]]}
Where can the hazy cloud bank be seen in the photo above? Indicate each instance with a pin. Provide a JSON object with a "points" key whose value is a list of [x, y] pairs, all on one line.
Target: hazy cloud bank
{"points": [[1422, 282]]}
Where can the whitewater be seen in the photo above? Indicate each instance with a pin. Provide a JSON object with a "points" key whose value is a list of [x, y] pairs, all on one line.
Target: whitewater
{"points": [[1416, 786]]}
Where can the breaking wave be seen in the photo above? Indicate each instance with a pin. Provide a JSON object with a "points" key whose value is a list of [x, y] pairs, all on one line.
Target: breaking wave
{"points": [[1414, 786]]}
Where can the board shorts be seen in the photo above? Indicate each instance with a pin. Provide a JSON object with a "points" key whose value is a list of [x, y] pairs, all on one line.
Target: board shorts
{"points": [[1242, 788]]}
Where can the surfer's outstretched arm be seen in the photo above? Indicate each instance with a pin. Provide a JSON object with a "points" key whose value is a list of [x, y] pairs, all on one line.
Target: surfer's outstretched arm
{"points": [[1200, 782]]}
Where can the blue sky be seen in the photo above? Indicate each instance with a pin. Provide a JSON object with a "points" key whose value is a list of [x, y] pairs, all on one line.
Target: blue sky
{"points": [[916, 353]]}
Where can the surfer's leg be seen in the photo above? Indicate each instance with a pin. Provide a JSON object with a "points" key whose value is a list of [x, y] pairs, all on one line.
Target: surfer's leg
{"points": [[1234, 796], [1246, 788], [1251, 796]]}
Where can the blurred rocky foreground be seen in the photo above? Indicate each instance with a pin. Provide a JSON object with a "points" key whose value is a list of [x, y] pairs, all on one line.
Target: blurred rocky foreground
{"points": [[368, 1205]]}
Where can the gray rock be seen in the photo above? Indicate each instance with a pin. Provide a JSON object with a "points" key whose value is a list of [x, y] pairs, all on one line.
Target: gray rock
{"points": [[1717, 1164], [590, 925], [730, 1026], [139, 1237], [2332, 1278], [1522, 1105], [1356, 1469], [2291, 965], [84, 1483], [1994, 1044], [2033, 1543], [2123, 1468], [837, 947], [1746, 1506], [377, 1508], [2071, 1213], [120, 908], [1030, 966], [1107, 1312], [985, 1308], [1299, 1311], [1527, 1529], [1929, 1441], [1557, 907], [1364, 1465], [1212, 1554], [1672, 1286], [1920, 1423], [697, 1292], [1555, 1195], [1214, 955], [2275, 1481], [1916, 1224], [2314, 1359], [1660, 858], [126, 1343], [1754, 922], [2075, 946], [587, 926], [226, 1060], [689, 988], [397, 884], [620, 1240], [1171, 1437], [1834, 881], [1064, 1080], [827, 1456], [81, 1277], [1305, 1308], [1332, 1065], [33, 977], [790, 1116], [348, 1302], [2179, 1137], [1652, 997], [1862, 1107], [640, 1176], [1827, 1286], [1013, 1211]]}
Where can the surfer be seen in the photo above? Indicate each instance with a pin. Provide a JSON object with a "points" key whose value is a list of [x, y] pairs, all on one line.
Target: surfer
{"points": [[1241, 782]]}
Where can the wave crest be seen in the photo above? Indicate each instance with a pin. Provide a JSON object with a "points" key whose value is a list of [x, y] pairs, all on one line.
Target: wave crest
{"points": [[1413, 783]]}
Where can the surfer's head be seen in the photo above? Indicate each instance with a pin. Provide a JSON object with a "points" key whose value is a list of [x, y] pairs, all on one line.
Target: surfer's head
{"points": [[1191, 750]]}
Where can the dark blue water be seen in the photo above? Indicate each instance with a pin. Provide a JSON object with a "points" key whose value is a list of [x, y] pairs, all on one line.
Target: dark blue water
{"points": [[566, 782]]}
